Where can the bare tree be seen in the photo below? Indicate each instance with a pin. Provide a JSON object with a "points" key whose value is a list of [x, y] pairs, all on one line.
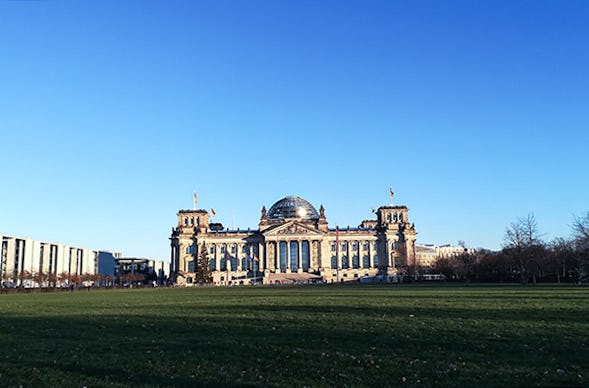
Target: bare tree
{"points": [[464, 264], [581, 243], [40, 277], [523, 243], [24, 277]]}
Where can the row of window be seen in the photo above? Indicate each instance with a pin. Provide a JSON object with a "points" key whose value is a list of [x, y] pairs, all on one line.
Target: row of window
{"points": [[355, 263], [395, 217], [248, 264], [190, 221], [344, 246], [246, 249], [192, 249]]}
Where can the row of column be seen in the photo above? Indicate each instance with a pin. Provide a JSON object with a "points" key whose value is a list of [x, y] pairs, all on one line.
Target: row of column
{"points": [[268, 254]]}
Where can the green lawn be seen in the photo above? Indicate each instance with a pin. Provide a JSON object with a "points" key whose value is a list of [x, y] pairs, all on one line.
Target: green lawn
{"points": [[298, 336]]}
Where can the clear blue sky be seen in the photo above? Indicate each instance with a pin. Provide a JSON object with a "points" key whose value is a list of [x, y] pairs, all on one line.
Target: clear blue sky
{"points": [[113, 112]]}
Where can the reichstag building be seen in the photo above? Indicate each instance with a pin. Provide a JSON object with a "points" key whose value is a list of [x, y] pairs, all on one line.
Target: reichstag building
{"points": [[293, 243]]}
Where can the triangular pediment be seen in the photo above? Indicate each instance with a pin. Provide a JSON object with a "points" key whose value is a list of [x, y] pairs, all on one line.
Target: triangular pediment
{"points": [[291, 228]]}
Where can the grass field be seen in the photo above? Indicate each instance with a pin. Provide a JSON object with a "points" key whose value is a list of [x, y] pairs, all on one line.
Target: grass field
{"points": [[361, 335]]}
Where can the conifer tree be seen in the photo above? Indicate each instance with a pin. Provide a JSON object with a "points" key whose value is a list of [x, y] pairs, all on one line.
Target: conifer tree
{"points": [[203, 270]]}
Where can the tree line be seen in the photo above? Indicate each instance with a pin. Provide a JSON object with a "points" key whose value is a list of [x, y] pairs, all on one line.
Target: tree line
{"points": [[42, 279], [525, 257]]}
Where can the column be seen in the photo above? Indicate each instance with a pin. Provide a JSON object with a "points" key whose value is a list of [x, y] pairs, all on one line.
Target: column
{"points": [[338, 250], [216, 257], [313, 254], [300, 258], [266, 256]]}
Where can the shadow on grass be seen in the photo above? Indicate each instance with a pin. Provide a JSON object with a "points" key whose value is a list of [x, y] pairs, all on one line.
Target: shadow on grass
{"points": [[293, 345]]}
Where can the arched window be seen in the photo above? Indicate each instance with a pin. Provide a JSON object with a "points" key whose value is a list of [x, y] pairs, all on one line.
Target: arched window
{"points": [[185, 220], [365, 261], [376, 263], [212, 265], [333, 262], [345, 263], [245, 264], [355, 263], [191, 220], [191, 266]]}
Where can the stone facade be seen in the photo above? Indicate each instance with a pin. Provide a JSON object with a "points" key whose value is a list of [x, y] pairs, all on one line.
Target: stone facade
{"points": [[293, 243]]}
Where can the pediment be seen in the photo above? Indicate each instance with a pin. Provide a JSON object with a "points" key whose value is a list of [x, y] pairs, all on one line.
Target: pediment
{"points": [[291, 228]]}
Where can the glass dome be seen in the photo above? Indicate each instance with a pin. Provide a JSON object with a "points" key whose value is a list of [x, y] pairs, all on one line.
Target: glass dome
{"points": [[293, 207]]}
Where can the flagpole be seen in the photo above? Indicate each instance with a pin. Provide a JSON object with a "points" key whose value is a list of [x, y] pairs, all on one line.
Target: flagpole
{"points": [[337, 259]]}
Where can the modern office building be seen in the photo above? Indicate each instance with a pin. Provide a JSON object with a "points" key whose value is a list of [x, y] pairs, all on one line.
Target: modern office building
{"points": [[293, 243], [33, 263]]}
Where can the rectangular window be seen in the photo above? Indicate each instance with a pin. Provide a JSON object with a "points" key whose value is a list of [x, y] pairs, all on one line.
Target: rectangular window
{"points": [[282, 255]]}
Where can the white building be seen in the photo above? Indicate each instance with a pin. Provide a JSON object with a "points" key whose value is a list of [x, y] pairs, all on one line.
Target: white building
{"points": [[22, 258], [427, 254]]}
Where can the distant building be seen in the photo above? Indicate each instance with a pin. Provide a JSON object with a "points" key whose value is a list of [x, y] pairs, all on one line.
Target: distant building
{"points": [[146, 270], [33, 263], [21, 258], [427, 254], [106, 262], [293, 243]]}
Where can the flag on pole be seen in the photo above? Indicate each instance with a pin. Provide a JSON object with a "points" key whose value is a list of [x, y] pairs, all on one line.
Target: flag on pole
{"points": [[336, 236], [391, 192], [194, 200], [213, 212]]}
